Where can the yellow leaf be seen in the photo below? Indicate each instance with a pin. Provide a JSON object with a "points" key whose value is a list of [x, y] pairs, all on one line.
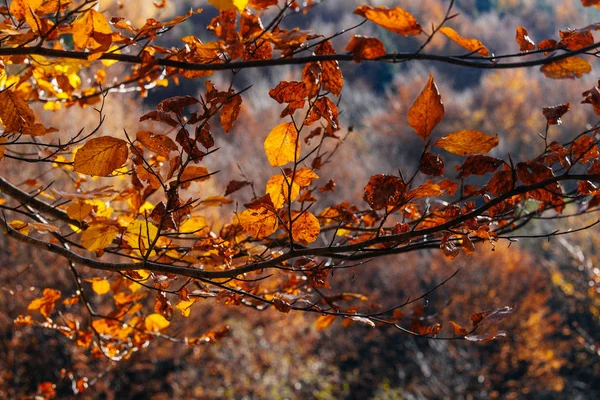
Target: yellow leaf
{"points": [[100, 286], [98, 237], [224, 5], [473, 45], [156, 323], [194, 225], [140, 234], [282, 144], [304, 177], [278, 189], [467, 142], [324, 321], [185, 306], [20, 226], [306, 228], [259, 224], [101, 156], [92, 31]]}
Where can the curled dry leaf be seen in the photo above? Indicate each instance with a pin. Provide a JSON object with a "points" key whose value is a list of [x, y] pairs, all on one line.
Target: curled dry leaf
{"points": [[467, 142], [473, 45], [553, 114], [523, 40], [101, 156], [159, 144], [395, 20], [384, 191]]}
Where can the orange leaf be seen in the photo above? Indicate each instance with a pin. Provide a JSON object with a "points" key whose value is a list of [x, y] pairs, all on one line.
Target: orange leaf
{"points": [[427, 110], [101, 156], [523, 40], [288, 92], [230, 112], [324, 321], [306, 228], [259, 224], [395, 20], [473, 45], [458, 330], [365, 48], [575, 40], [45, 304], [15, 112], [159, 144], [569, 68], [92, 31], [282, 144], [331, 74], [278, 189], [194, 173], [467, 142]]}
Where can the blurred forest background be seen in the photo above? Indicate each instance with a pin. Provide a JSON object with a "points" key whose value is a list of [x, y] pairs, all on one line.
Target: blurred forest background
{"points": [[553, 345]]}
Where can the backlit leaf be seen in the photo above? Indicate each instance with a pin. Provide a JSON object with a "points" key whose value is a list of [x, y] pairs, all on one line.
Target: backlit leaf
{"points": [[224, 5], [473, 45], [100, 286], [101, 156], [258, 223], [427, 110], [395, 20], [156, 323], [98, 236], [159, 144], [15, 112], [568, 68], [523, 40], [288, 92], [306, 228], [467, 142], [92, 31], [278, 188], [365, 48], [282, 144]]}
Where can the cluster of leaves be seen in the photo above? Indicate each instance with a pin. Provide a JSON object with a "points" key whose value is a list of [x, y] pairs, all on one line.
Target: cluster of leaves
{"points": [[149, 224]]}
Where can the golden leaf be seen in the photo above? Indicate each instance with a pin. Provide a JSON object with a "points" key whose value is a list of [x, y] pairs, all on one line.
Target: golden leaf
{"points": [[306, 228], [467, 142], [98, 237], [473, 45], [395, 20], [156, 323], [101, 156], [427, 110], [282, 144], [569, 68]]}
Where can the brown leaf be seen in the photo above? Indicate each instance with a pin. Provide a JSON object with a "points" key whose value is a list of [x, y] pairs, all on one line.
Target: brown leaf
{"points": [[427, 110], [478, 165], [523, 40], [431, 164], [575, 40], [592, 97], [331, 74], [365, 48], [395, 20], [289, 92], [384, 191], [473, 45], [553, 114], [467, 142], [568, 68], [234, 186], [159, 144], [15, 112], [101, 156], [230, 112]]}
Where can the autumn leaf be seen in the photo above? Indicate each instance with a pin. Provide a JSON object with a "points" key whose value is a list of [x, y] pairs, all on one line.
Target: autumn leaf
{"points": [[395, 20], [467, 142], [365, 48], [258, 223], [278, 187], [288, 92], [331, 74], [523, 40], [225, 5], [282, 144], [159, 144], [193, 173], [324, 321], [553, 114], [140, 234], [101, 156], [306, 228], [15, 112], [458, 330], [100, 286], [568, 68], [230, 112], [427, 110], [45, 304], [473, 45], [156, 323], [92, 31], [98, 236], [384, 191]]}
